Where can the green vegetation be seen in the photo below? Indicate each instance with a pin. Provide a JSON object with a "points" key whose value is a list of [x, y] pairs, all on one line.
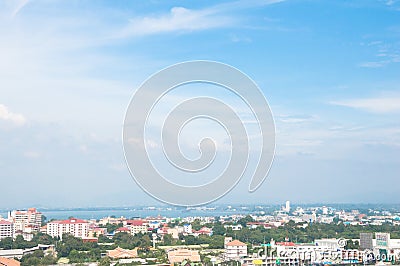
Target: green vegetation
{"points": [[307, 235], [19, 242], [76, 251], [38, 258]]}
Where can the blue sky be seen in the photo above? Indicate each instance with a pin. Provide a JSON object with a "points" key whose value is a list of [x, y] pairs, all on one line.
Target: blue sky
{"points": [[329, 69]]}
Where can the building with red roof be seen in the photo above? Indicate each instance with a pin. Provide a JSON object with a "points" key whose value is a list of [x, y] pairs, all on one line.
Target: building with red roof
{"points": [[76, 227], [9, 262], [234, 249], [123, 230], [137, 226]]}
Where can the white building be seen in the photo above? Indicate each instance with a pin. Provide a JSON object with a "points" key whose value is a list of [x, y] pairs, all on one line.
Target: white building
{"points": [[287, 206], [26, 220], [329, 243], [234, 250], [6, 229], [137, 226], [234, 227], [187, 228], [76, 227]]}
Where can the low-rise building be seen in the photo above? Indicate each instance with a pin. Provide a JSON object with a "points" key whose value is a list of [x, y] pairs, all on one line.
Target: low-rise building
{"points": [[9, 262], [234, 249], [137, 226], [179, 255], [120, 253]]}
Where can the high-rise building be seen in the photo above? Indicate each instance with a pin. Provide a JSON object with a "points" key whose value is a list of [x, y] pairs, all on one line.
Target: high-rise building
{"points": [[287, 206], [25, 220], [366, 241]]}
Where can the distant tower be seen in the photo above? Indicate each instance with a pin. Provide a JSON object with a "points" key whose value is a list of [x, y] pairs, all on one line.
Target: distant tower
{"points": [[287, 206]]}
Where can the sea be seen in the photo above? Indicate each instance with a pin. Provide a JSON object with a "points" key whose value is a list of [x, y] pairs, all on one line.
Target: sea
{"points": [[98, 213]]}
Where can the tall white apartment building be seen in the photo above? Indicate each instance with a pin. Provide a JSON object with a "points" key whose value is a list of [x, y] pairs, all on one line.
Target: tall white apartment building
{"points": [[6, 229], [287, 206], [76, 227], [25, 220]]}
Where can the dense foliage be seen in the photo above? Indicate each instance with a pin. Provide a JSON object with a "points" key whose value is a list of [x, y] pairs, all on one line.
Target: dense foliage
{"points": [[78, 251]]}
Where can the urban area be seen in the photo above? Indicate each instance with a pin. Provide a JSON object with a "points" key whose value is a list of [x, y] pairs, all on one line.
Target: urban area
{"points": [[291, 236]]}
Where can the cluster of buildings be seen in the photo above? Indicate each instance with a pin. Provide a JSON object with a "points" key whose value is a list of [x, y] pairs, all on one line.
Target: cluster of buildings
{"points": [[324, 214], [382, 250], [320, 214], [373, 247], [90, 230], [21, 222]]}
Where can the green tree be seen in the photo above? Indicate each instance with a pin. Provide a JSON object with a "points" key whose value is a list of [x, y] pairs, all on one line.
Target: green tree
{"points": [[105, 261], [219, 229], [167, 240], [243, 221]]}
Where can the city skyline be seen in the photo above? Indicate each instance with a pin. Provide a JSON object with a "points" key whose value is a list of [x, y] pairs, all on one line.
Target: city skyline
{"points": [[328, 70]]}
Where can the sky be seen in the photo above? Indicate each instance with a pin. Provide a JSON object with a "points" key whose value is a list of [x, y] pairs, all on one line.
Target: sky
{"points": [[329, 70]]}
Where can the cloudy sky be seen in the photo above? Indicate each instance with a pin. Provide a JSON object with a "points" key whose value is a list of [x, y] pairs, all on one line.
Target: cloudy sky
{"points": [[329, 69]]}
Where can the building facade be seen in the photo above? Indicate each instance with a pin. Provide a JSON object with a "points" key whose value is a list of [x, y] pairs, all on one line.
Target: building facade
{"points": [[24, 220], [234, 250], [6, 229], [76, 227]]}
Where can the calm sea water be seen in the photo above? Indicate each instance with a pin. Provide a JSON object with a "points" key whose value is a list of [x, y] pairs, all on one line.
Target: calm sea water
{"points": [[129, 213]]}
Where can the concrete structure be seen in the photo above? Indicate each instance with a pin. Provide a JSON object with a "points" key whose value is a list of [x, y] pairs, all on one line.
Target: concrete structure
{"points": [[187, 228], [76, 227], [122, 230], [287, 206], [6, 229], [137, 226], [111, 220], [203, 231], [179, 255], [366, 241], [234, 227], [120, 253], [23, 219], [385, 248], [19, 253], [328, 243], [234, 250]]}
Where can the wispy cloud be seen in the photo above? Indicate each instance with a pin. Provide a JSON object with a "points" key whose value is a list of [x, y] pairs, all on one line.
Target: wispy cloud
{"points": [[178, 19], [296, 118], [374, 105], [181, 19], [385, 54], [14, 118], [19, 6]]}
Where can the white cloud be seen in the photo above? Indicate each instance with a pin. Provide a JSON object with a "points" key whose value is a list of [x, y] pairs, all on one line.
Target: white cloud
{"points": [[14, 118], [386, 53], [19, 6], [180, 19], [296, 118], [374, 105]]}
